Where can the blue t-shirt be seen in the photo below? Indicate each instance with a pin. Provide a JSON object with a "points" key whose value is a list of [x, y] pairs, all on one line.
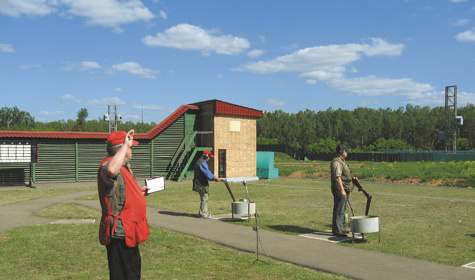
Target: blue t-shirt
{"points": [[204, 168]]}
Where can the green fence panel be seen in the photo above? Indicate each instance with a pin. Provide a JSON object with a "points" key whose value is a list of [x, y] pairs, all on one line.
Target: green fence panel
{"points": [[56, 162], [90, 156]]}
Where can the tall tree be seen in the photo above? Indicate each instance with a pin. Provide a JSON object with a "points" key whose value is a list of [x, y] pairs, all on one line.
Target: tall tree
{"points": [[306, 128], [81, 120], [14, 118]]}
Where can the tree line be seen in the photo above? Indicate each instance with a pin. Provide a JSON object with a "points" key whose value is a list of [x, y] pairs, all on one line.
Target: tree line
{"points": [[362, 129], [16, 119], [365, 129]]}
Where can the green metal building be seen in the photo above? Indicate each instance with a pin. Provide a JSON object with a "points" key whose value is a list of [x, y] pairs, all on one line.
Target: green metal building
{"points": [[167, 150]]}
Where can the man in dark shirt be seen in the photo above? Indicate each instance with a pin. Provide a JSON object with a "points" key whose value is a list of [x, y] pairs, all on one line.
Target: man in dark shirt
{"points": [[200, 181]]}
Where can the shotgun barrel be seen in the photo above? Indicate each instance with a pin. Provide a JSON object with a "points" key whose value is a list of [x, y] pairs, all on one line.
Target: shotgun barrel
{"points": [[368, 197], [229, 190]]}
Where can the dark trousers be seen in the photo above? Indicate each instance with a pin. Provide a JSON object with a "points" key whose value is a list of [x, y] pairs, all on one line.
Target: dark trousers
{"points": [[339, 209], [124, 262]]}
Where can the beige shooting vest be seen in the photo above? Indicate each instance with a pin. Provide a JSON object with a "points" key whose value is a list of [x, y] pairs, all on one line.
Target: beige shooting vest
{"points": [[346, 176]]}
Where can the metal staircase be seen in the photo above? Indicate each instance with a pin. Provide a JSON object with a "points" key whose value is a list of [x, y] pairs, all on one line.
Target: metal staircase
{"points": [[184, 155]]}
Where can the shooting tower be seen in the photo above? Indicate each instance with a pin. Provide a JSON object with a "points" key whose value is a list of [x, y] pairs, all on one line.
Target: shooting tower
{"points": [[451, 120], [112, 117]]}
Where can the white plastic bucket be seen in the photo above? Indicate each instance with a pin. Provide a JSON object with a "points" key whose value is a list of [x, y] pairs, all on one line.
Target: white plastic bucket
{"points": [[241, 207], [364, 224]]}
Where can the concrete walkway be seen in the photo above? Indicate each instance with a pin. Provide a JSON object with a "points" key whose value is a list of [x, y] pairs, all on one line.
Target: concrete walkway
{"points": [[315, 254]]}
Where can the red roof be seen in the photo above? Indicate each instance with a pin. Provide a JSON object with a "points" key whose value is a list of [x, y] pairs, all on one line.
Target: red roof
{"points": [[169, 120], [220, 107], [97, 135], [224, 108], [53, 134]]}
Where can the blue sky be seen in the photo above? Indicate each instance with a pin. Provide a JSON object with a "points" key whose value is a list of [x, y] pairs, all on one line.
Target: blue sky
{"points": [[150, 57]]}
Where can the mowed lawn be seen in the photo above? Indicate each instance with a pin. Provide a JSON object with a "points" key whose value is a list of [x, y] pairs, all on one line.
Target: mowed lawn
{"points": [[424, 222], [433, 223]]}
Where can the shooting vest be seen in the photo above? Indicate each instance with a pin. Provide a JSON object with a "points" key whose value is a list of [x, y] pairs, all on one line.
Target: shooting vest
{"points": [[346, 176], [133, 214], [200, 181]]}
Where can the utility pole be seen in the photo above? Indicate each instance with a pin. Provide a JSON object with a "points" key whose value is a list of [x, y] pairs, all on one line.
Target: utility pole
{"points": [[451, 120], [112, 117]]}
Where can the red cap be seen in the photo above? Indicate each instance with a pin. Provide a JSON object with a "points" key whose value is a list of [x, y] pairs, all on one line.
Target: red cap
{"points": [[117, 137], [208, 152]]}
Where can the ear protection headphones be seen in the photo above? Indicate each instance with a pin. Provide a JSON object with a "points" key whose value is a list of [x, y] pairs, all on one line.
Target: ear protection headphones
{"points": [[340, 148]]}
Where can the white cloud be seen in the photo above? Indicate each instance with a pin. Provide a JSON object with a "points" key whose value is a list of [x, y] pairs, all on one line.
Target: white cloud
{"points": [[464, 98], [190, 37], [54, 113], [15, 8], [84, 66], [412, 92], [468, 35], [69, 98], [105, 101], [458, 1], [369, 103], [381, 47], [150, 107], [462, 22], [273, 102], [109, 13], [135, 69], [131, 117], [6, 48], [89, 65], [324, 75], [329, 63], [255, 53], [375, 86], [118, 89], [163, 15], [323, 58]]}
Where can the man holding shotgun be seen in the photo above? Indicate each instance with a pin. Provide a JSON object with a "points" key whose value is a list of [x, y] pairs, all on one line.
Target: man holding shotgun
{"points": [[201, 184], [341, 186]]}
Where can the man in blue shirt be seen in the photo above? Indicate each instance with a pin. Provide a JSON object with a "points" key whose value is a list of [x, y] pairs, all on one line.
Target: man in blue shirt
{"points": [[200, 181]]}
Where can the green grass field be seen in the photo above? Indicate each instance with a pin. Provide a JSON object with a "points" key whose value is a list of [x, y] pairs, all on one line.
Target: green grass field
{"points": [[415, 221], [73, 252], [452, 174], [432, 223]]}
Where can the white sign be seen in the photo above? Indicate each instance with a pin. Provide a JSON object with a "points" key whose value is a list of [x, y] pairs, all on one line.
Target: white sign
{"points": [[15, 153]]}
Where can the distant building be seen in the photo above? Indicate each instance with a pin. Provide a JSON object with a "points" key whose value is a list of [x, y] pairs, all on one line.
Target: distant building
{"points": [[169, 149]]}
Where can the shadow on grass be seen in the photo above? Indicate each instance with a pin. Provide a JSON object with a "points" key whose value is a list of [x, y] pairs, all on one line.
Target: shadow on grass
{"points": [[177, 214], [294, 229], [356, 240]]}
